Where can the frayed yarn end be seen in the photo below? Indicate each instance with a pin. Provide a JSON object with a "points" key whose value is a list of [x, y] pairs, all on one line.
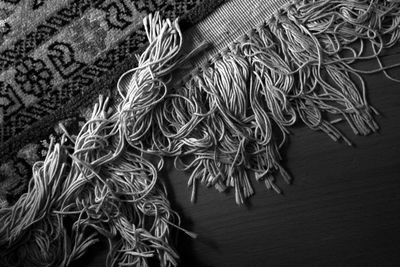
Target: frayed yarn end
{"points": [[296, 67]]}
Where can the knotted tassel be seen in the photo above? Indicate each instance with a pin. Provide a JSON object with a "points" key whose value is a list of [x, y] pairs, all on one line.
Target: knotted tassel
{"points": [[98, 184]]}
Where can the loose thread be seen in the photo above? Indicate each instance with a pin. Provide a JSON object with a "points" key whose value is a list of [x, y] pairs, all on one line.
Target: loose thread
{"points": [[103, 186], [298, 66]]}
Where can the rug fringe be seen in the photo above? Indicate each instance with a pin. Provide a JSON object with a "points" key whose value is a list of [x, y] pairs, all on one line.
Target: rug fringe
{"points": [[297, 66], [99, 186], [228, 120]]}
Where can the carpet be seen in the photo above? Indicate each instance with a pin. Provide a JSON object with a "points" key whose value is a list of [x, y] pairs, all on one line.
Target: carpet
{"points": [[56, 58], [225, 121]]}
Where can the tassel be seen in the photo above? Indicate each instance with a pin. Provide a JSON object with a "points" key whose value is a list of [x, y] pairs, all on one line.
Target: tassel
{"points": [[234, 113], [100, 186], [228, 120]]}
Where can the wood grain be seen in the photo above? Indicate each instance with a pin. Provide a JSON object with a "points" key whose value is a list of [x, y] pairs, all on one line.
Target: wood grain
{"points": [[342, 209]]}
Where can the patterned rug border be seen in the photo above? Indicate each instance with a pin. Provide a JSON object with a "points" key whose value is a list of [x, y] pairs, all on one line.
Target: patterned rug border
{"points": [[40, 129]]}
